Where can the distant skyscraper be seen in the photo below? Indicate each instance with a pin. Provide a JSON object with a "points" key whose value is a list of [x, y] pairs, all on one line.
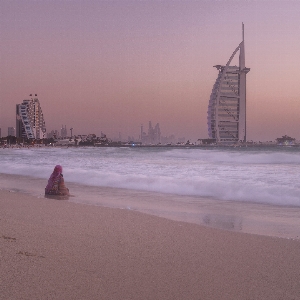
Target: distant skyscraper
{"points": [[53, 134], [63, 131], [226, 116], [154, 134], [11, 131], [30, 121]]}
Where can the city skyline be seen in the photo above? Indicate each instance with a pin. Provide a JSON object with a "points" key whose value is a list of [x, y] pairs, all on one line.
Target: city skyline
{"points": [[111, 66], [153, 135]]}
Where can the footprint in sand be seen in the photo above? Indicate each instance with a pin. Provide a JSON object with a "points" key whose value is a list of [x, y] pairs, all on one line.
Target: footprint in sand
{"points": [[29, 254], [11, 239]]}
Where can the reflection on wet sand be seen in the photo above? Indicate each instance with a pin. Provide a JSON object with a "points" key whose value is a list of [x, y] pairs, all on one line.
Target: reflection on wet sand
{"points": [[223, 222], [57, 197]]}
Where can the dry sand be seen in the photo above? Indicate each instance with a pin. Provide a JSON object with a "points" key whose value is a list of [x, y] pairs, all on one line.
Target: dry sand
{"points": [[54, 249]]}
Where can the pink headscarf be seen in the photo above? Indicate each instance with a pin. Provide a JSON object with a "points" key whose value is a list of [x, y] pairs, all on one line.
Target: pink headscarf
{"points": [[55, 177], [57, 170]]}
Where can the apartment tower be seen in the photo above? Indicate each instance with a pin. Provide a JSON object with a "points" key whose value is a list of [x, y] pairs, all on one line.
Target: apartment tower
{"points": [[30, 121]]}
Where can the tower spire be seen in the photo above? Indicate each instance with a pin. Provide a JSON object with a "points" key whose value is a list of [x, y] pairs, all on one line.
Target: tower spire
{"points": [[243, 30]]}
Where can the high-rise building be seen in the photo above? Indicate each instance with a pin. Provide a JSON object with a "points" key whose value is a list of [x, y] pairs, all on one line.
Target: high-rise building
{"points": [[63, 131], [226, 116], [53, 134], [30, 121], [153, 136], [11, 131]]}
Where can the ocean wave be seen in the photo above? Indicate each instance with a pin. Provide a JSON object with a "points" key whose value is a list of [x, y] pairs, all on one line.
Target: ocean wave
{"points": [[238, 156], [220, 189], [252, 176]]}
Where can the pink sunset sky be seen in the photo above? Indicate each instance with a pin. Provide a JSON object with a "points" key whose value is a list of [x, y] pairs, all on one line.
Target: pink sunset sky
{"points": [[111, 66]]}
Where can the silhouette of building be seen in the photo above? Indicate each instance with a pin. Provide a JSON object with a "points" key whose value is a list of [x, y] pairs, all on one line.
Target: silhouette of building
{"points": [[153, 136], [11, 131], [168, 140], [285, 140], [53, 134], [30, 121], [226, 116], [63, 131]]}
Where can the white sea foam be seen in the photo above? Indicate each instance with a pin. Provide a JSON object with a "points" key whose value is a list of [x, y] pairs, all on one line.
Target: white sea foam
{"points": [[252, 175]]}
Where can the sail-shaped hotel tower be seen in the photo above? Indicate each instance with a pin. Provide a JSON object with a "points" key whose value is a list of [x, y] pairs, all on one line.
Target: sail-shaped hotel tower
{"points": [[226, 116]]}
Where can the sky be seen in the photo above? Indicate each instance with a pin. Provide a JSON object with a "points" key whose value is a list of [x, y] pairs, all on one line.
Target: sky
{"points": [[111, 66]]}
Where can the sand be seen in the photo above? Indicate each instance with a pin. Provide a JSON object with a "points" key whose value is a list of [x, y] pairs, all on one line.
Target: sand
{"points": [[53, 249]]}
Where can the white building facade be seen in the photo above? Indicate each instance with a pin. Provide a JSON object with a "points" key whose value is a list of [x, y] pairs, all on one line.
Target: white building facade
{"points": [[226, 116], [30, 121]]}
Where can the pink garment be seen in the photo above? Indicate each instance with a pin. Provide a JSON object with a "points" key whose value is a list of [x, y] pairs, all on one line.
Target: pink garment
{"points": [[54, 180]]}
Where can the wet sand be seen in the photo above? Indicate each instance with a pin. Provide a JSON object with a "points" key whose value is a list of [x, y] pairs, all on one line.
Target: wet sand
{"points": [[247, 217], [56, 249]]}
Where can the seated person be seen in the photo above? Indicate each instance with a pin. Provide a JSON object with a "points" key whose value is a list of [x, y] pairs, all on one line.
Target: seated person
{"points": [[56, 183]]}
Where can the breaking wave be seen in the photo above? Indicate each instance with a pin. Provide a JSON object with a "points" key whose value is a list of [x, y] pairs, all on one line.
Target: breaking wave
{"points": [[264, 176]]}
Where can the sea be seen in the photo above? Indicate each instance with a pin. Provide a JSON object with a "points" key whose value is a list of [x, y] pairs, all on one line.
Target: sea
{"points": [[249, 189]]}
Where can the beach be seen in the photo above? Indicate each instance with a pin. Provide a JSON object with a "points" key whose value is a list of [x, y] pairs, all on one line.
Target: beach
{"points": [[56, 249]]}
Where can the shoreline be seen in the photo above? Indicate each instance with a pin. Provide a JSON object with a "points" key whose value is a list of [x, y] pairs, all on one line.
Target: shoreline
{"points": [[245, 217], [255, 145], [63, 250]]}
